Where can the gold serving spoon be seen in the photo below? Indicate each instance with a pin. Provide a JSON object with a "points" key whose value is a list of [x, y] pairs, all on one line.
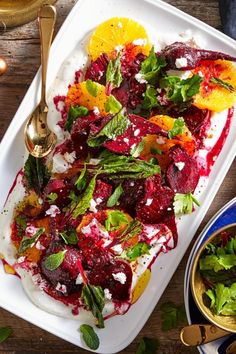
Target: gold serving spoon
{"points": [[39, 139], [199, 334]]}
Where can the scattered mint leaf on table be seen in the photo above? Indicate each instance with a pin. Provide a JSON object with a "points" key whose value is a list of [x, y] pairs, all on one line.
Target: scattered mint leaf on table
{"points": [[90, 337], [113, 199], [172, 315], [148, 346], [74, 113], [5, 332], [54, 261]]}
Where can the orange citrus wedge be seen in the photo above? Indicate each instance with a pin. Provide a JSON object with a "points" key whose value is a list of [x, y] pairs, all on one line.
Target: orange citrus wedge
{"points": [[116, 33], [141, 285], [81, 94], [212, 96]]}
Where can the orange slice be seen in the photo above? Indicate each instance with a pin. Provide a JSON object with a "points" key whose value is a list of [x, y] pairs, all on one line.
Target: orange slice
{"points": [[116, 33], [141, 285], [79, 94], [211, 95], [154, 144]]}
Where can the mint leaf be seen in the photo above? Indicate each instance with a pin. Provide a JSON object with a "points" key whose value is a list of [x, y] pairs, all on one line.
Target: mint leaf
{"points": [[54, 261], [69, 237], [148, 346], [177, 129], [94, 299], [183, 203], [28, 242], [80, 183], [180, 91], [113, 199], [116, 126], [151, 67], [92, 88], [134, 228], [36, 174], [132, 253], [150, 98], [90, 337], [137, 149], [5, 332], [74, 113], [113, 73], [226, 85], [112, 105], [51, 197], [172, 315], [115, 219], [84, 201]]}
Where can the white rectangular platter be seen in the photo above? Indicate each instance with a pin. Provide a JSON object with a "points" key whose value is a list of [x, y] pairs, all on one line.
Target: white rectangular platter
{"points": [[158, 17]]}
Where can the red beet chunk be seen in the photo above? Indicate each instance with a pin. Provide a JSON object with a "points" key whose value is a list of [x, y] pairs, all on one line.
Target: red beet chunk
{"points": [[138, 128], [156, 201], [195, 118], [192, 55], [67, 272], [133, 191], [97, 69], [122, 94], [102, 192], [130, 64], [103, 276], [184, 179], [62, 188]]}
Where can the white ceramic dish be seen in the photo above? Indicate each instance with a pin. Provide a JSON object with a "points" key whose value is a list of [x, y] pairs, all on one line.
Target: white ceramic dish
{"points": [[86, 15]]}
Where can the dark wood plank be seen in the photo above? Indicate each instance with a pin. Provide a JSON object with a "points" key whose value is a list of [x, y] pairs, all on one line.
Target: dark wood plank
{"points": [[20, 47]]}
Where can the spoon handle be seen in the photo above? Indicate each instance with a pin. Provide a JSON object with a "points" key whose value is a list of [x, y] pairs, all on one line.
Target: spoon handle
{"points": [[47, 19], [200, 334]]}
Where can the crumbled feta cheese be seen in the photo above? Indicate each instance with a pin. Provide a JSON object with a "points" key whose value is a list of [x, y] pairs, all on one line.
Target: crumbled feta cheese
{"points": [[160, 141], [86, 229], [79, 279], [132, 184], [61, 287], [180, 165], [39, 246], [92, 206], [117, 249], [200, 73], [59, 164], [133, 146], [53, 211], [70, 157], [94, 161], [40, 201], [99, 201], [181, 63], [149, 201], [140, 41], [107, 294], [126, 140], [120, 277], [31, 230], [136, 132], [140, 78], [106, 243], [21, 259], [119, 24], [119, 48], [96, 110]]}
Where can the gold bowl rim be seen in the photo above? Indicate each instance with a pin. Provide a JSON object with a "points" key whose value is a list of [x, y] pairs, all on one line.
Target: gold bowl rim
{"points": [[11, 17], [208, 314]]}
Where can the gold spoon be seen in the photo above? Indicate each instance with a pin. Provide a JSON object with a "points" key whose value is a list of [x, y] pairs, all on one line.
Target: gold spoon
{"points": [[199, 334], [39, 139]]}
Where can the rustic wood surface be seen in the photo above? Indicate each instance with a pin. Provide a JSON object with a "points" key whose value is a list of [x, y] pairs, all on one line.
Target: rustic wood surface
{"points": [[20, 48]]}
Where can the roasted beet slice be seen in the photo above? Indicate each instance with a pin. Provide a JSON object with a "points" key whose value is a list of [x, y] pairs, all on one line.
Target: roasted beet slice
{"points": [[193, 56], [62, 188], [102, 192], [182, 173], [97, 69], [115, 276], [138, 128], [156, 201], [133, 191], [67, 272], [122, 94], [195, 118]]}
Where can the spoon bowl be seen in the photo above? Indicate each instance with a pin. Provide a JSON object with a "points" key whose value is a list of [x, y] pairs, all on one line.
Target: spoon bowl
{"points": [[39, 139]]}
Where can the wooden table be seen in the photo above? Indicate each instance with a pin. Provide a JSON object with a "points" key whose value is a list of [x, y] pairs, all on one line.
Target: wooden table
{"points": [[20, 48]]}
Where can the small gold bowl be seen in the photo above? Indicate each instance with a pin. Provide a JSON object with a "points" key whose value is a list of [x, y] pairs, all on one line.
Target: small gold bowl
{"points": [[198, 287], [18, 12]]}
